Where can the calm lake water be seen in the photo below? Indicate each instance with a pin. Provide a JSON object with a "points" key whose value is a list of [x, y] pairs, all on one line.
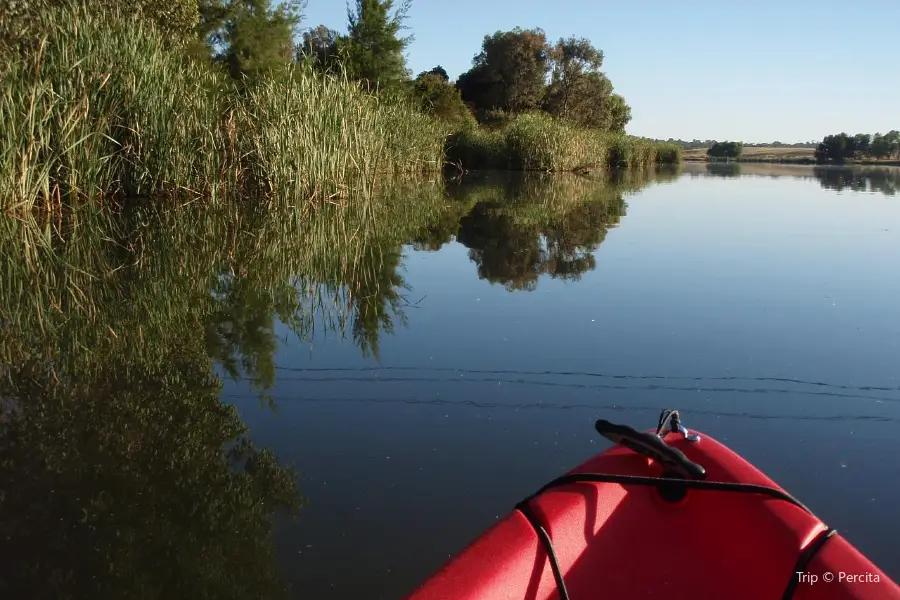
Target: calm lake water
{"points": [[426, 363]]}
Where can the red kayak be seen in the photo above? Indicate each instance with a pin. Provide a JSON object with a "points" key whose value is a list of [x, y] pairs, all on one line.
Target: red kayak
{"points": [[666, 515]]}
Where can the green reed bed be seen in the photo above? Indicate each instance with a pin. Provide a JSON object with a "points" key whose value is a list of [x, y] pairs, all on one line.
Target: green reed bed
{"points": [[100, 106], [536, 141], [302, 134]]}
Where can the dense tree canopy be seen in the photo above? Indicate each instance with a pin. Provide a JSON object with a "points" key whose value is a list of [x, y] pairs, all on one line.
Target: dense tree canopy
{"points": [[509, 73], [841, 147], [578, 91], [886, 146], [726, 150]]}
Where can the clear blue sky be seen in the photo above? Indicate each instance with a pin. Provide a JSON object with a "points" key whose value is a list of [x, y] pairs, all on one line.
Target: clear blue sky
{"points": [[791, 70]]}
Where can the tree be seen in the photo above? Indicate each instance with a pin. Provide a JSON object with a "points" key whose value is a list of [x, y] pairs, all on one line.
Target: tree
{"points": [[842, 147], [892, 138], [258, 37], [440, 72], [509, 73], [374, 49], [437, 96], [862, 143], [322, 47], [572, 60], [880, 147], [617, 114], [726, 150], [589, 102]]}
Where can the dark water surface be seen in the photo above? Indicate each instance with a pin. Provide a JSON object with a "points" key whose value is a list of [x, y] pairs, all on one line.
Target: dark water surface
{"points": [[427, 361]]}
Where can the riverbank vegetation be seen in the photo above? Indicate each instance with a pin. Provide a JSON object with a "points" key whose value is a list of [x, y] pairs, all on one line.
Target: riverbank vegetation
{"points": [[536, 141], [202, 100], [841, 148], [725, 151], [862, 148]]}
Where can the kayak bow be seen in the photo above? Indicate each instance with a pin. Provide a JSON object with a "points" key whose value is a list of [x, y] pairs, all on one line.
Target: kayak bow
{"points": [[668, 514]]}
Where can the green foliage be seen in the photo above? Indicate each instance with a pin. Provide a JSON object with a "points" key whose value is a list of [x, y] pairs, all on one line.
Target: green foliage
{"points": [[510, 72], [885, 146], [525, 226], [668, 153], [836, 148], [438, 97], [695, 144], [105, 107], [309, 134], [108, 109], [725, 150], [579, 92], [536, 141], [841, 147], [440, 72], [510, 76], [176, 20], [322, 47], [374, 50], [258, 38], [859, 179]]}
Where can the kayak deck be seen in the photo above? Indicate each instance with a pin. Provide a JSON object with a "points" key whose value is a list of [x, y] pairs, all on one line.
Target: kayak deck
{"points": [[625, 540]]}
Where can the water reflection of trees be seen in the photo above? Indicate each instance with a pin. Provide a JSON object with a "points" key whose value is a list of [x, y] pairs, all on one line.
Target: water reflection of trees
{"points": [[862, 178], [884, 180], [523, 226], [726, 169], [118, 485], [122, 474]]}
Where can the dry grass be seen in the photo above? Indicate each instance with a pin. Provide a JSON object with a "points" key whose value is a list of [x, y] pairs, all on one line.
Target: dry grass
{"points": [[774, 154]]}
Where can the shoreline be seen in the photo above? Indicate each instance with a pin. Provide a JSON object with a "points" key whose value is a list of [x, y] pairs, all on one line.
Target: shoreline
{"points": [[799, 161]]}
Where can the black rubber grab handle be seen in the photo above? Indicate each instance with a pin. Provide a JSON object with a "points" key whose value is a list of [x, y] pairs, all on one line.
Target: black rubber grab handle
{"points": [[672, 459]]}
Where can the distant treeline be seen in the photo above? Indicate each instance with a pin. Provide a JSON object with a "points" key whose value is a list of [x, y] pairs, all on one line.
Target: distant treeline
{"points": [[842, 147], [695, 144]]}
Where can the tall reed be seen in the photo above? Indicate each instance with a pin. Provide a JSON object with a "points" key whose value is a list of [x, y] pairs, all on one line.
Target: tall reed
{"points": [[303, 134], [101, 106]]}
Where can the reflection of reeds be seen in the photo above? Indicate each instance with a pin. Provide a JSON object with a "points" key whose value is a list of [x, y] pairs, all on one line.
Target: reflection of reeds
{"points": [[97, 283], [84, 286], [553, 194], [103, 107]]}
